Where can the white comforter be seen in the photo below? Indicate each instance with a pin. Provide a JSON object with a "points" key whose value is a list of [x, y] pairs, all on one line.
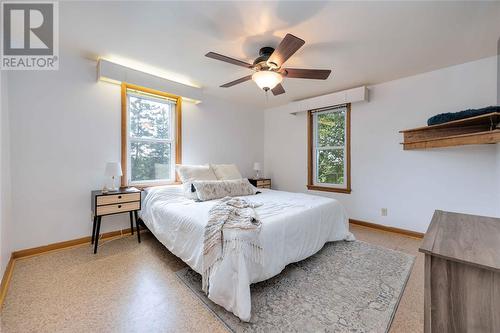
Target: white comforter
{"points": [[294, 227]]}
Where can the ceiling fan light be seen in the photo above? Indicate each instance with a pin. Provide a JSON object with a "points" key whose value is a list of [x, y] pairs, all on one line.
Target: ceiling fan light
{"points": [[267, 79]]}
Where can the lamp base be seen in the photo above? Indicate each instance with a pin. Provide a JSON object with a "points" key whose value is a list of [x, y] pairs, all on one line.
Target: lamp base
{"points": [[113, 187]]}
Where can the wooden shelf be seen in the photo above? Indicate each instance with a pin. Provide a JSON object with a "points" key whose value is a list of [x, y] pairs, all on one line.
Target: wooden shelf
{"points": [[470, 131]]}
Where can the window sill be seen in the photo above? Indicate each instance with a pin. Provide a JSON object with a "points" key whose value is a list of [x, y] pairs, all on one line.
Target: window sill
{"points": [[328, 189], [145, 185]]}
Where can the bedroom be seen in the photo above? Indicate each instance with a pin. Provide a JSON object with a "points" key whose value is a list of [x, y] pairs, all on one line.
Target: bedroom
{"points": [[394, 65]]}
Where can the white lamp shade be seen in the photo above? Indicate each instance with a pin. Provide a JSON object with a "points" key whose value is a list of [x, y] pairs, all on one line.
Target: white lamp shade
{"points": [[267, 79], [256, 166], [113, 169]]}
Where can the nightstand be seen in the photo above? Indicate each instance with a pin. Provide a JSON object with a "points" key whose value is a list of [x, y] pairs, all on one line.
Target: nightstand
{"points": [[126, 200], [260, 182]]}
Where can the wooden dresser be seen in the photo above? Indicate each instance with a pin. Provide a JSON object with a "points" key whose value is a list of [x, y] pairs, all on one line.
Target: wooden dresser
{"points": [[462, 274]]}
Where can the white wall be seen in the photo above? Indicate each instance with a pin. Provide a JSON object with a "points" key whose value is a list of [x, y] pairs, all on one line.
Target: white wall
{"points": [[411, 184], [2, 221], [66, 126], [219, 131], [5, 203]]}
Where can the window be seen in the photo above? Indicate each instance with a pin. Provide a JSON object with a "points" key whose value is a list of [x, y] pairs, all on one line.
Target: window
{"points": [[151, 136], [329, 149]]}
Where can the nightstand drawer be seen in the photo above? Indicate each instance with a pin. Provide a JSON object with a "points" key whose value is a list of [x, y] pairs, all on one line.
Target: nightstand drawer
{"points": [[118, 208], [260, 182], [117, 198]]}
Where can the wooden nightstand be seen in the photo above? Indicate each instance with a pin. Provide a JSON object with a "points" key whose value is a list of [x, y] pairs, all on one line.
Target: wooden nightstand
{"points": [[127, 200], [261, 182]]}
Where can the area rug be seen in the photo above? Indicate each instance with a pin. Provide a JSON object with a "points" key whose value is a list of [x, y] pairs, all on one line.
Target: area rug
{"points": [[345, 287]]}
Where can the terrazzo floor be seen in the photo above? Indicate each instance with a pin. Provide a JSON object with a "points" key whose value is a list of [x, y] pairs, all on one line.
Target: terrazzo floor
{"points": [[131, 287]]}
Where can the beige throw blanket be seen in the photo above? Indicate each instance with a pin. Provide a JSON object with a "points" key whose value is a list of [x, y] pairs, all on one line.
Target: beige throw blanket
{"points": [[240, 220]]}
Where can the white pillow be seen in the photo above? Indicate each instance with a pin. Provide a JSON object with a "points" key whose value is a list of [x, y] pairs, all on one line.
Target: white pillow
{"points": [[226, 171], [216, 189], [190, 173]]}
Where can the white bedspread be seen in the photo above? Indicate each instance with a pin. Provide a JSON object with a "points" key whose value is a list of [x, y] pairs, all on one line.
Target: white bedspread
{"points": [[294, 227]]}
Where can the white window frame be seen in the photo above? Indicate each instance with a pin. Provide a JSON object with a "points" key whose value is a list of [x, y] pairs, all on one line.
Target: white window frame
{"points": [[171, 140]]}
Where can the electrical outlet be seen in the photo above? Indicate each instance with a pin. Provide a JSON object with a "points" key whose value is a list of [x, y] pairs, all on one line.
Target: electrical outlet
{"points": [[383, 212]]}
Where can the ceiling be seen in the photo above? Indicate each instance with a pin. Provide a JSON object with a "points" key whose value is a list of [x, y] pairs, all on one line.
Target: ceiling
{"points": [[363, 43]]}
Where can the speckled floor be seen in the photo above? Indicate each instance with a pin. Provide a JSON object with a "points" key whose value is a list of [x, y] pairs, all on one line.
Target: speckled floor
{"points": [[131, 287]]}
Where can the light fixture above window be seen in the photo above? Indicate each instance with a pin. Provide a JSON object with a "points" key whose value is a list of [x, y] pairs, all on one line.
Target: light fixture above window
{"points": [[116, 73], [266, 79]]}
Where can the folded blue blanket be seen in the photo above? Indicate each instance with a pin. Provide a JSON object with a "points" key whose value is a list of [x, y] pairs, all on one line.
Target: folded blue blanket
{"points": [[450, 116]]}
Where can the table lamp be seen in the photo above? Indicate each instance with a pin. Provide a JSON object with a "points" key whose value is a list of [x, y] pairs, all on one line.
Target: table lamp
{"points": [[113, 169], [257, 168]]}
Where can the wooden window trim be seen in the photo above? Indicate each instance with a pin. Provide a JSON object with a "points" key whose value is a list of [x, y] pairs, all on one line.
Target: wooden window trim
{"points": [[124, 132], [310, 155]]}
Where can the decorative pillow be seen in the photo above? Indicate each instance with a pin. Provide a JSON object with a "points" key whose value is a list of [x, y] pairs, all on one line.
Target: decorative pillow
{"points": [[216, 189], [190, 173], [226, 171]]}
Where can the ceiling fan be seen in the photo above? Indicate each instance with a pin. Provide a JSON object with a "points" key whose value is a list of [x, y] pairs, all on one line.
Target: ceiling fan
{"points": [[269, 72]]}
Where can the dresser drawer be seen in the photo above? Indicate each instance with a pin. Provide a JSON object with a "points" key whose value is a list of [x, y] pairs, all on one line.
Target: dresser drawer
{"points": [[117, 198], [118, 208]]}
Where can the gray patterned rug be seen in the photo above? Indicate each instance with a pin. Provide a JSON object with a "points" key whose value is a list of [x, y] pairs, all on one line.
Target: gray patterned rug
{"points": [[345, 287]]}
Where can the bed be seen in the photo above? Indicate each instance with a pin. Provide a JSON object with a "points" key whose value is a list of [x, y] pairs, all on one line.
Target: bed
{"points": [[294, 227]]}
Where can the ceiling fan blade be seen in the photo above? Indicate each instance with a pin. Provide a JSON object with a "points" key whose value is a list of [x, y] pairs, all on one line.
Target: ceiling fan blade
{"points": [[315, 74], [288, 46], [230, 60], [235, 82], [278, 90]]}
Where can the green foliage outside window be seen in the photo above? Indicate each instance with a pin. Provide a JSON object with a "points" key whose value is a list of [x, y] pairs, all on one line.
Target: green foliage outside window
{"points": [[330, 147], [150, 146]]}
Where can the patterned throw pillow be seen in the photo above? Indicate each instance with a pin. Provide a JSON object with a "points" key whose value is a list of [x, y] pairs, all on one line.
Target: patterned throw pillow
{"points": [[216, 189]]}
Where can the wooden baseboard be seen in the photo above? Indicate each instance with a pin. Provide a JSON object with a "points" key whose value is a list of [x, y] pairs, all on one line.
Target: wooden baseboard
{"points": [[405, 232], [7, 275], [66, 244], [22, 254]]}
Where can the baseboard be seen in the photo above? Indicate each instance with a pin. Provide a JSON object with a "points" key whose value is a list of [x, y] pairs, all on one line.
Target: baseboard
{"points": [[7, 275], [405, 232], [66, 244], [26, 253]]}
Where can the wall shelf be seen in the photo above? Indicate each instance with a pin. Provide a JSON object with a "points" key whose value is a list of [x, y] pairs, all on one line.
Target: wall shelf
{"points": [[483, 129]]}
